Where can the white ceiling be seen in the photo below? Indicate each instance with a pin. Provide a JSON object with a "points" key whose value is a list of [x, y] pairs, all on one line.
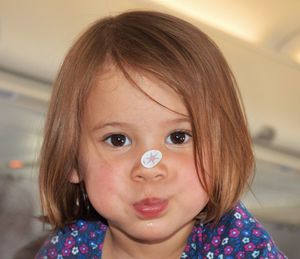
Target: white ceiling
{"points": [[34, 35], [259, 38]]}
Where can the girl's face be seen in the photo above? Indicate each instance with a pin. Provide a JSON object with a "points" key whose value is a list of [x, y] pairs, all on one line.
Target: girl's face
{"points": [[121, 124]]}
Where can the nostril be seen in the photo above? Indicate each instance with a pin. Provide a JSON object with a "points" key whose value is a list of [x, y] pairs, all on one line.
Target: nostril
{"points": [[139, 178], [148, 175], [158, 177]]}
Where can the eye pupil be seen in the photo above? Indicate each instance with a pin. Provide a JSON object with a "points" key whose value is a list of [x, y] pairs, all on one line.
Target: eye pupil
{"points": [[118, 140], [178, 137]]}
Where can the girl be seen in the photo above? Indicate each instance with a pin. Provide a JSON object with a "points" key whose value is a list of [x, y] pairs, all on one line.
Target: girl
{"points": [[146, 150]]}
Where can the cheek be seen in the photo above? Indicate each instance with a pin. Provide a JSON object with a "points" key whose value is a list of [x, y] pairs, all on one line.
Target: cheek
{"points": [[187, 169], [101, 183], [100, 173], [99, 177], [188, 178], [193, 177]]}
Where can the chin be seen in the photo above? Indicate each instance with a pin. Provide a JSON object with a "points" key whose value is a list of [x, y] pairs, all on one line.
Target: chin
{"points": [[150, 232], [150, 238]]}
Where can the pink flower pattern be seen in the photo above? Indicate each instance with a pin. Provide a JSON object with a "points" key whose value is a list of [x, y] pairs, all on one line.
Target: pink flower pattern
{"points": [[237, 235]]}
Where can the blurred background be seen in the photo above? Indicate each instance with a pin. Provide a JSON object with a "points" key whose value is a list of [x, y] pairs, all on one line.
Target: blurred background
{"points": [[261, 41]]}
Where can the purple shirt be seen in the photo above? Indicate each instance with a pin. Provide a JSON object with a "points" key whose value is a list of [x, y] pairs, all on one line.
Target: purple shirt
{"points": [[237, 235]]}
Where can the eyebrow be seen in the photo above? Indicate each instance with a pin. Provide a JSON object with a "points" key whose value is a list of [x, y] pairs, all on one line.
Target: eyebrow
{"points": [[186, 119], [102, 125]]}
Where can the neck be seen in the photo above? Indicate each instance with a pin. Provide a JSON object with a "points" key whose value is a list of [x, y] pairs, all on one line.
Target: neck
{"points": [[119, 245]]}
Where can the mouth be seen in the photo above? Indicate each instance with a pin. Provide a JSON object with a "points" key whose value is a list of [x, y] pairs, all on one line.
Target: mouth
{"points": [[150, 208]]}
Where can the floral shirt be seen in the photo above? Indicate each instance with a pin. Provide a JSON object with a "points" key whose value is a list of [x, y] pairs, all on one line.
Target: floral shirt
{"points": [[237, 235]]}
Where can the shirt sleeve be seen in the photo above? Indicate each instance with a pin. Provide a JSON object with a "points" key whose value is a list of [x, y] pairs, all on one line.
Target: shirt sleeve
{"points": [[80, 240], [239, 235]]}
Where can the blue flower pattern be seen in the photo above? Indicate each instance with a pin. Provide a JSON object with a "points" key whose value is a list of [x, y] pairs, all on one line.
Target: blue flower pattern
{"points": [[237, 235]]}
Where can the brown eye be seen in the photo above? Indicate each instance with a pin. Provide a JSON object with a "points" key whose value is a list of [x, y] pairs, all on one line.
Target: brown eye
{"points": [[117, 140], [178, 138]]}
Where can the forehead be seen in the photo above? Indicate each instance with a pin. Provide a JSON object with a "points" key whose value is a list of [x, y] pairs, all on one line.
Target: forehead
{"points": [[112, 91]]}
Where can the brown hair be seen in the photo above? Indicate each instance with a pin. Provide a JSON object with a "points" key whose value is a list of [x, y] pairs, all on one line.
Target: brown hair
{"points": [[184, 58]]}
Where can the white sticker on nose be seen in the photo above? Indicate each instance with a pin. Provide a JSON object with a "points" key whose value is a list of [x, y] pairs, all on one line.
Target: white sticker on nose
{"points": [[151, 158]]}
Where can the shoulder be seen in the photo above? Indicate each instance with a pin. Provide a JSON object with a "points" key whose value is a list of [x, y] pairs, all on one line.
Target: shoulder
{"points": [[238, 235], [82, 239]]}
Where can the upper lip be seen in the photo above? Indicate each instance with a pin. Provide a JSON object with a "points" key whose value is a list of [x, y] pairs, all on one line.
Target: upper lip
{"points": [[151, 207], [151, 201]]}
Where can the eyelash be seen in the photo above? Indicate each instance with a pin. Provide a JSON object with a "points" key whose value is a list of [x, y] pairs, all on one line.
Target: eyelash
{"points": [[126, 141], [185, 134], [109, 141]]}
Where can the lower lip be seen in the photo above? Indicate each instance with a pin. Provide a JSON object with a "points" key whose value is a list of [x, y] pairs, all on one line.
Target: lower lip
{"points": [[151, 208]]}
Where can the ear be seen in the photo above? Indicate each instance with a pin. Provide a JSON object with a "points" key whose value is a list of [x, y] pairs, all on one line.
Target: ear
{"points": [[74, 176]]}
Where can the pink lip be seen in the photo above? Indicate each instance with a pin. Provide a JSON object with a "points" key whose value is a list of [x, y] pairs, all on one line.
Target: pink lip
{"points": [[150, 207]]}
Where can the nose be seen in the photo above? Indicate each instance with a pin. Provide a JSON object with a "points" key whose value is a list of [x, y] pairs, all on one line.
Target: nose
{"points": [[140, 173]]}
